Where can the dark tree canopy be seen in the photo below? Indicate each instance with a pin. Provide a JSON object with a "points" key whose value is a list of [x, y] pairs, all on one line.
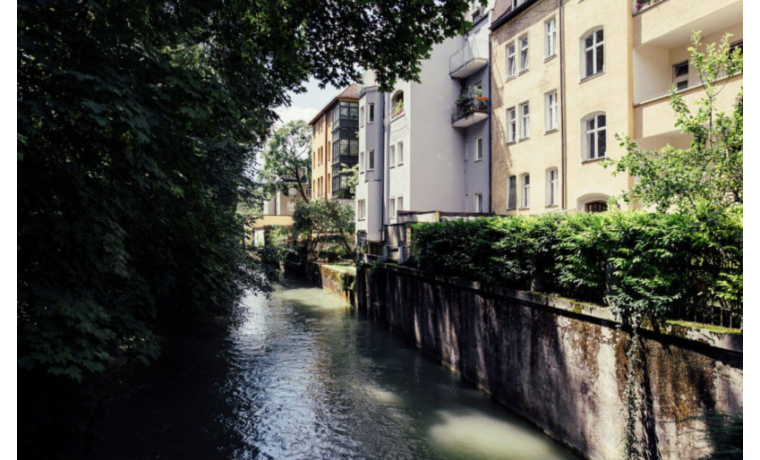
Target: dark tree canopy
{"points": [[137, 122]]}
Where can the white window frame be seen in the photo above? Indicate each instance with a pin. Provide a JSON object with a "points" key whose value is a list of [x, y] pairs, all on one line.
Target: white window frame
{"points": [[525, 191], [550, 31], [371, 160], [511, 125], [588, 152], [509, 196], [392, 206], [525, 120], [593, 48], [399, 204], [511, 56], [370, 113], [361, 209], [678, 79], [550, 112], [524, 47], [479, 148], [400, 154], [361, 116], [392, 156], [552, 186], [478, 202], [361, 163]]}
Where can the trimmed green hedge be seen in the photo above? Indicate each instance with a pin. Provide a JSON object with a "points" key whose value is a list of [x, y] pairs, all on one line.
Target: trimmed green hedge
{"points": [[658, 265]]}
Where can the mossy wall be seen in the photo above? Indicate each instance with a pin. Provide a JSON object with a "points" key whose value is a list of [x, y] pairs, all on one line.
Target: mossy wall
{"points": [[564, 371], [333, 280]]}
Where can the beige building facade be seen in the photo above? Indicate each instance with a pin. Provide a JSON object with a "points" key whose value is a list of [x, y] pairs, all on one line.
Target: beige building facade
{"points": [[566, 79]]}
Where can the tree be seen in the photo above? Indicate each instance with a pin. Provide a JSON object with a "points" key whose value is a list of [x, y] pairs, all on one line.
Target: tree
{"points": [[708, 175], [137, 123], [352, 175], [319, 221], [287, 159]]}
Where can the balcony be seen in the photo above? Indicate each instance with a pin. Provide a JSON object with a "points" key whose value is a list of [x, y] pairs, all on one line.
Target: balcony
{"points": [[667, 23], [469, 111], [472, 57], [655, 118]]}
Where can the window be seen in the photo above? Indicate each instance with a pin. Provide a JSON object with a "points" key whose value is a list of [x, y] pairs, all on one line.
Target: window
{"points": [[361, 116], [478, 202], [681, 75], [400, 203], [400, 153], [361, 162], [516, 3], [392, 207], [550, 104], [479, 149], [397, 104], [551, 37], [511, 66], [512, 193], [596, 206], [392, 156], [593, 53], [361, 209], [525, 202], [511, 125], [595, 140], [524, 57], [371, 113], [524, 120], [552, 181], [371, 160]]}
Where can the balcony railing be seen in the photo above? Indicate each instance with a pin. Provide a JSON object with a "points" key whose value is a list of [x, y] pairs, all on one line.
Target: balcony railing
{"points": [[472, 57], [467, 113]]}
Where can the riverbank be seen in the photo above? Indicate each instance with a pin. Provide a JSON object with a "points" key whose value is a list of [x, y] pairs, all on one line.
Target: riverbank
{"points": [[561, 364]]}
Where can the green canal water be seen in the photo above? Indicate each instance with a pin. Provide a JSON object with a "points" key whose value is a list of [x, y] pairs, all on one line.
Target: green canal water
{"points": [[305, 377]]}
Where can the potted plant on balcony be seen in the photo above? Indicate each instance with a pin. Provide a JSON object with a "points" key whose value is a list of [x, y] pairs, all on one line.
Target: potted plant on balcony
{"points": [[398, 109]]}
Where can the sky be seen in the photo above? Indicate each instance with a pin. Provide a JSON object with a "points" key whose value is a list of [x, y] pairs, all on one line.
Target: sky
{"points": [[306, 105]]}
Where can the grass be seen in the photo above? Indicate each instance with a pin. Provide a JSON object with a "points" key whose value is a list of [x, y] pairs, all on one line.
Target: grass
{"points": [[709, 327]]}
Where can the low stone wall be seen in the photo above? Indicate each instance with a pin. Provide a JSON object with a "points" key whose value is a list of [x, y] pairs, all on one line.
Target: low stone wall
{"points": [[561, 364], [333, 280]]}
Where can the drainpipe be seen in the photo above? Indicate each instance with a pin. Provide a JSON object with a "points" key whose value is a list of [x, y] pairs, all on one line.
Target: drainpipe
{"points": [[490, 119], [562, 103]]}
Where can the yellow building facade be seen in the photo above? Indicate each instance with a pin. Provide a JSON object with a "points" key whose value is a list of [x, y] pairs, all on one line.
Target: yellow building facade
{"points": [[567, 79], [321, 140]]}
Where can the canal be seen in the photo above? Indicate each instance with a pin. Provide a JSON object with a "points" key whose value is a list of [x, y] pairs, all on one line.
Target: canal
{"points": [[305, 377]]}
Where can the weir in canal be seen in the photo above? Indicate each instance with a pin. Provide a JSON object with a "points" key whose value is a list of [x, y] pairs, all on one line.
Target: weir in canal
{"points": [[303, 376]]}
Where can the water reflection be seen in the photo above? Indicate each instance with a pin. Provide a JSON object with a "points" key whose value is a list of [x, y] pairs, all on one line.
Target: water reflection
{"points": [[304, 377]]}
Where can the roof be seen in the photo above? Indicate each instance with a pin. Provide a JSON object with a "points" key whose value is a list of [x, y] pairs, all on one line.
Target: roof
{"points": [[350, 93]]}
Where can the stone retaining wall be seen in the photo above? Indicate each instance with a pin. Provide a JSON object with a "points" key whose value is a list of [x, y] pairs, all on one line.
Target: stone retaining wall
{"points": [[561, 364]]}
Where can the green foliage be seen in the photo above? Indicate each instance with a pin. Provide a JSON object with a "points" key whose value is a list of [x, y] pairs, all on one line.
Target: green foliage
{"points": [[352, 173], [287, 160], [707, 176], [324, 221], [136, 127], [642, 264]]}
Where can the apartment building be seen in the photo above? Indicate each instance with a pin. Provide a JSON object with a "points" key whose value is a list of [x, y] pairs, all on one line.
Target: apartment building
{"points": [[426, 146], [335, 142], [568, 75]]}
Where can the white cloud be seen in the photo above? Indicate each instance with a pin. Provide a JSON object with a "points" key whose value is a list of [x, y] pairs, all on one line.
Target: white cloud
{"points": [[295, 113]]}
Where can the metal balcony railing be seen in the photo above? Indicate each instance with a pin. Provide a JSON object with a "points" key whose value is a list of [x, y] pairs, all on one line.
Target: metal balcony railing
{"points": [[471, 106], [472, 50]]}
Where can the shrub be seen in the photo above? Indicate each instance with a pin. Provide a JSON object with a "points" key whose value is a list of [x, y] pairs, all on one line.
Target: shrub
{"points": [[655, 265]]}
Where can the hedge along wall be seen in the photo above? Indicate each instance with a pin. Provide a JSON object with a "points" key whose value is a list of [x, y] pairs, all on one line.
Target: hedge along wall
{"points": [[656, 265], [563, 365]]}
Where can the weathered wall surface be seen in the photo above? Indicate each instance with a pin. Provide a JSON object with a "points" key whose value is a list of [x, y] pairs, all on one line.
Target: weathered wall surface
{"points": [[333, 280], [562, 368]]}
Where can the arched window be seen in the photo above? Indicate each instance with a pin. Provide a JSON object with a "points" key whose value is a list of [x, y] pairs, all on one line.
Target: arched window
{"points": [[594, 129], [596, 206], [552, 186], [397, 103], [592, 53], [525, 198]]}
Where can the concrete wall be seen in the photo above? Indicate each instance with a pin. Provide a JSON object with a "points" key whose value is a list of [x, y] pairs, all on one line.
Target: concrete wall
{"points": [[332, 280], [560, 364], [371, 137]]}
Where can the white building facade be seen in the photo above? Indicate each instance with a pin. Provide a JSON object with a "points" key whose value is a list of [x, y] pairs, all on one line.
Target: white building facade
{"points": [[426, 146]]}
